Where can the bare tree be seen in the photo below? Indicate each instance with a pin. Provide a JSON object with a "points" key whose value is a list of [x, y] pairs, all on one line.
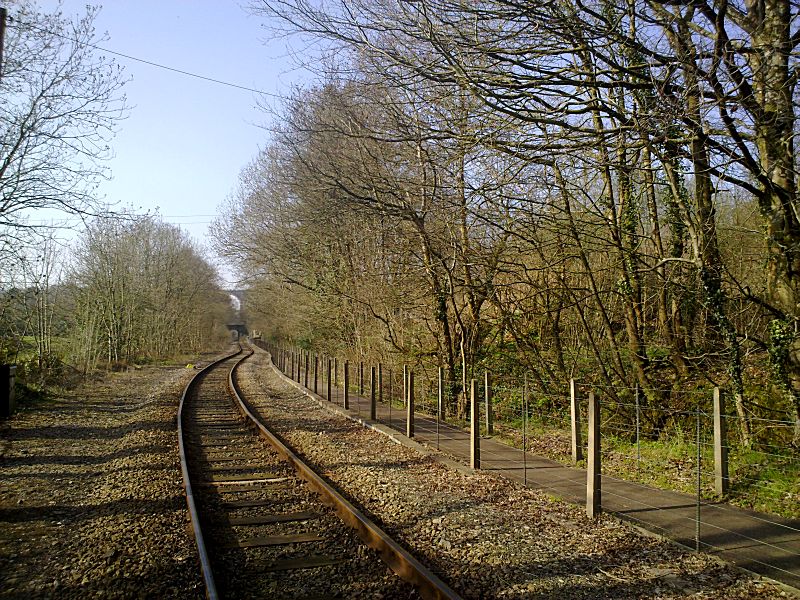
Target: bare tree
{"points": [[59, 104]]}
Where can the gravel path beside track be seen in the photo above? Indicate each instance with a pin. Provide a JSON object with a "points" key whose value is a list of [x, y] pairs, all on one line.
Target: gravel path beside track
{"points": [[484, 535], [91, 494]]}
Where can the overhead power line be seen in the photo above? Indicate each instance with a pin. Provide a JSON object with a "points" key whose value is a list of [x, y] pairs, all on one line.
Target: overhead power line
{"points": [[149, 62]]}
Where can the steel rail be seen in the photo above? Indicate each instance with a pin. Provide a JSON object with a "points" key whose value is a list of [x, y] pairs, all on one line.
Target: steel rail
{"points": [[205, 563], [395, 556]]}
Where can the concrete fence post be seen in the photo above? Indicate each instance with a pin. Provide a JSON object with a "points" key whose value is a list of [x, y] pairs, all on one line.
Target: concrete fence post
{"points": [[329, 380], [475, 427], [373, 408], [721, 478], [410, 405], [487, 395], [575, 418], [593, 503], [346, 385]]}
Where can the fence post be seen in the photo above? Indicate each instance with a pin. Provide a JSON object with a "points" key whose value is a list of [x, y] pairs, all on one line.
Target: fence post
{"points": [[316, 373], [475, 427], [487, 394], [346, 385], [361, 378], [575, 417], [720, 446], [373, 408], [593, 504], [380, 382], [308, 361], [638, 430], [329, 380], [699, 481], [335, 371], [440, 399], [441, 393], [405, 383], [8, 399], [410, 405]]}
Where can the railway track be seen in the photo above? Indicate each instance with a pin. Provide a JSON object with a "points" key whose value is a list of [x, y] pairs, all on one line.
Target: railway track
{"points": [[265, 524]]}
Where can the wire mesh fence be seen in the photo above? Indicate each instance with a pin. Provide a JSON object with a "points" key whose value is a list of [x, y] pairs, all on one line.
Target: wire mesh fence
{"points": [[688, 441]]}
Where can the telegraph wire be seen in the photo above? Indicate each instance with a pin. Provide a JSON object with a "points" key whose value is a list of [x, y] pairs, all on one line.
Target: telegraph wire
{"points": [[12, 23]]}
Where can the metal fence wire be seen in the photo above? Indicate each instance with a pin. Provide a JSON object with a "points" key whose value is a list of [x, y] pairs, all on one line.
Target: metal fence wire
{"points": [[686, 441]]}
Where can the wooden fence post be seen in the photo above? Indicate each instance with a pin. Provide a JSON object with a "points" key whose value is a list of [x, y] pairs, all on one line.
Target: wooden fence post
{"points": [[380, 382], [475, 427], [410, 405], [361, 378], [346, 385], [593, 504], [316, 373], [721, 478], [440, 408], [373, 408], [487, 394], [575, 417], [329, 380], [405, 383], [307, 365]]}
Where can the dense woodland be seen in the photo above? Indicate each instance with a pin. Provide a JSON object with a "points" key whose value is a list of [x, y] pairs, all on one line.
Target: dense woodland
{"points": [[126, 291], [600, 190]]}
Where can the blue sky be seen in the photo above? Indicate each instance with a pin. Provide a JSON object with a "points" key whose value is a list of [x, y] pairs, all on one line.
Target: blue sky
{"points": [[181, 148]]}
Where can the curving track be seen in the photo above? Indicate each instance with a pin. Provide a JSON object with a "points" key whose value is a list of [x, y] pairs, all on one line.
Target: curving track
{"points": [[260, 529]]}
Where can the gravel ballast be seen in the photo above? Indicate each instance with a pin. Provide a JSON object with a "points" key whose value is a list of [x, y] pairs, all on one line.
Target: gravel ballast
{"points": [[486, 536], [92, 502]]}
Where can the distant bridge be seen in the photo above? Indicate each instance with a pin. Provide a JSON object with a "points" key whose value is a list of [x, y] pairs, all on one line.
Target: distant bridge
{"points": [[238, 326]]}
